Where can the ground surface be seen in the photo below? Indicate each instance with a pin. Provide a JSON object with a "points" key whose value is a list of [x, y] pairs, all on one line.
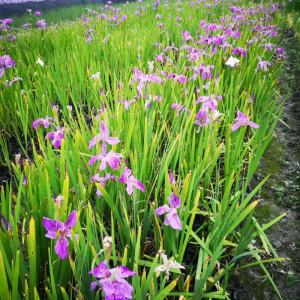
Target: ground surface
{"points": [[280, 194]]}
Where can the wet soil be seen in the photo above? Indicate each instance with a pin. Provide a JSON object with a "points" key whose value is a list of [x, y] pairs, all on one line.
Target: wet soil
{"points": [[280, 194]]}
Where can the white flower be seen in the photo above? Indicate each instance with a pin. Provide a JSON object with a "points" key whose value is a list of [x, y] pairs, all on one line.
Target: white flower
{"points": [[151, 66], [69, 108], [23, 92], [167, 265], [96, 76], [39, 61], [107, 242], [216, 115], [232, 62], [59, 201], [29, 10], [205, 86], [35, 73]]}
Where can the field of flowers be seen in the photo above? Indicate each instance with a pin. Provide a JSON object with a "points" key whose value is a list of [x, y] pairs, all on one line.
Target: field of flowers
{"points": [[131, 139]]}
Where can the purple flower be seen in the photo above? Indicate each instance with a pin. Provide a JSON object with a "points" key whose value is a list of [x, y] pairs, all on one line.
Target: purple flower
{"points": [[263, 64], [111, 158], [57, 136], [37, 13], [118, 288], [209, 102], [25, 181], [187, 36], [6, 224], [106, 39], [181, 78], [172, 217], [172, 179], [131, 182], [5, 63], [181, 108], [63, 230], [104, 137], [41, 23], [127, 103], [269, 46], [44, 122], [204, 70], [239, 50], [102, 181], [26, 25], [160, 57], [243, 120]]}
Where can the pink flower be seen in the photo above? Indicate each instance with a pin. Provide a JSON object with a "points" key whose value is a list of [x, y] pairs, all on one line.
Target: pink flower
{"points": [[172, 217], [126, 103], [57, 136], [131, 181], [181, 78], [102, 181], [111, 158], [243, 120], [44, 122], [104, 137]]}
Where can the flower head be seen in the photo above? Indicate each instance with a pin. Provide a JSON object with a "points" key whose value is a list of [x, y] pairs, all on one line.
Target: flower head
{"points": [[57, 136], [43, 122], [168, 265], [102, 181], [131, 181], [104, 137], [118, 288], [63, 231], [6, 224], [111, 158], [127, 104], [40, 62], [232, 62], [243, 120], [172, 217], [96, 77]]}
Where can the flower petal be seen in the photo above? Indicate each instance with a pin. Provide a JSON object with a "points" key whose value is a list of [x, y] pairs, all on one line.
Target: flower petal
{"points": [[61, 248]]}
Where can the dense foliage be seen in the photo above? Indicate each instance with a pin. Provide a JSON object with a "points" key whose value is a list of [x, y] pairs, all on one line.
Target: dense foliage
{"points": [[137, 137]]}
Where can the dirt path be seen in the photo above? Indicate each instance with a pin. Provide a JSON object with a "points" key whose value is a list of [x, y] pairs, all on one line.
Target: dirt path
{"points": [[281, 193]]}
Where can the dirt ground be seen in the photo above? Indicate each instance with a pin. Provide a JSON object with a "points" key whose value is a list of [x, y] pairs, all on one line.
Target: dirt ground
{"points": [[281, 194]]}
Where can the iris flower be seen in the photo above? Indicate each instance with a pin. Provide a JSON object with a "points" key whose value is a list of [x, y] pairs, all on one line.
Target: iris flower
{"points": [[118, 287], [131, 181], [57, 136], [102, 181], [168, 265], [181, 78], [104, 137], [111, 158], [127, 104], [232, 62], [40, 62], [44, 122], [63, 229], [243, 120], [172, 217]]}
